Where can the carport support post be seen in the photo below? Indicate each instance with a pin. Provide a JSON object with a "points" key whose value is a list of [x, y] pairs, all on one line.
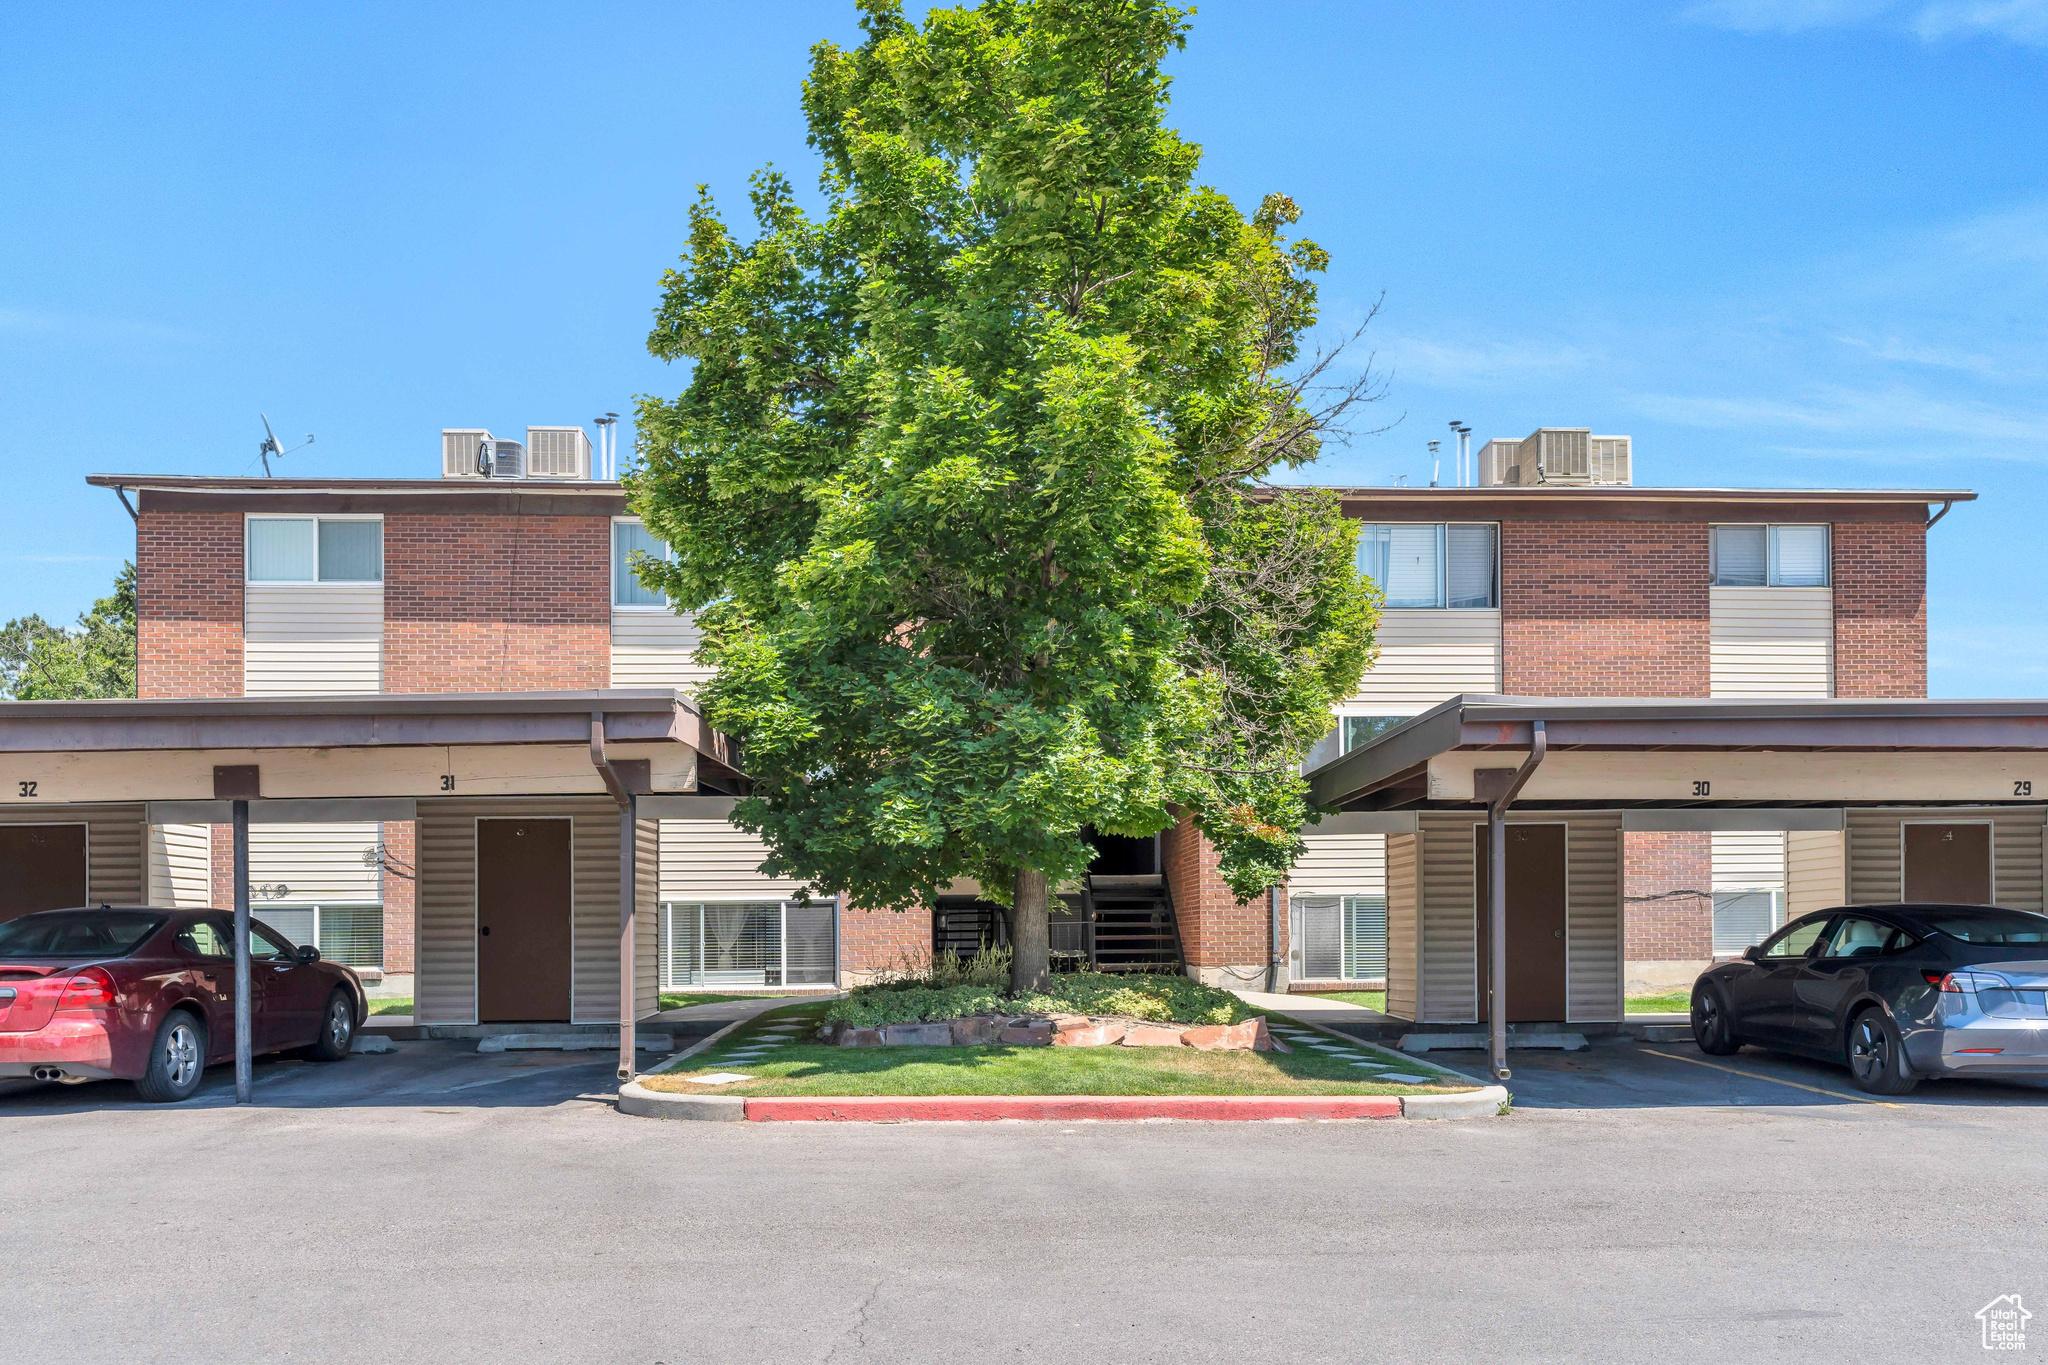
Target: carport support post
{"points": [[1497, 893], [629, 853], [244, 1062]]}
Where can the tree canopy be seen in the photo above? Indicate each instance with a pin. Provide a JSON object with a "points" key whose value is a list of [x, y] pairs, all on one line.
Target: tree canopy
{"points": [[968, 486], [42, 662]]}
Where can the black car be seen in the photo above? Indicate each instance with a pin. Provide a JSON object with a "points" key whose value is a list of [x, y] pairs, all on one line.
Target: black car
{"points": [[1897, 993]]}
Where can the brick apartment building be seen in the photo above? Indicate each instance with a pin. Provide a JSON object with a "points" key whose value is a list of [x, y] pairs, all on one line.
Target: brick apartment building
{"points": [[1569, 582]]}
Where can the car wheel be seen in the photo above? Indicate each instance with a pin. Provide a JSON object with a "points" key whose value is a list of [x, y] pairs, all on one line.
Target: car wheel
{"points": [[177, 1059], [337, 1029], [1877, 1056], [1711, 1027]]}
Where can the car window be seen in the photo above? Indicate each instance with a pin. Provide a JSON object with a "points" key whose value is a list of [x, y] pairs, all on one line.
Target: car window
{"points": [[206, 938], [2000, 927], [77, 933], [1796, 940], [1900, 942], [265, 943], [1855, 936]]}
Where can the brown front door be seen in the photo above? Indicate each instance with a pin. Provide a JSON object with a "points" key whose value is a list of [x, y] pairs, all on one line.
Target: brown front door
{"points": [[1948, 864], [522, 921], [1536, 906], [42, 867]]}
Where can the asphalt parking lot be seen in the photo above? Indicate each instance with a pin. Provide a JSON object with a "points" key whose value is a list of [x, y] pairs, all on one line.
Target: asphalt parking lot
{"points": [[440, 1204]]}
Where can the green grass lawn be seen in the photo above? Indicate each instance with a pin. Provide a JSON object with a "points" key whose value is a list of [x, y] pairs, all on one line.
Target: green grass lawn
{"points": [[1372, 1000], [390, 1004], [803, 1068], [1668, 1002], [675, 1000]]}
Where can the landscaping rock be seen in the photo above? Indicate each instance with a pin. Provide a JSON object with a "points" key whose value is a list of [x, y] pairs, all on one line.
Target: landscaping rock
{"points": [[1152, 1035], [977, 1031], [1037, 1034], [860, 1037], [918, 1035], [1249, 1036], [1088, 1033]]}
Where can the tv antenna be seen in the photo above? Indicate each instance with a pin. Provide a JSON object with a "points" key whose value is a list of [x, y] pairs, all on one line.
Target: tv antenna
{"points": [[270, 446]]}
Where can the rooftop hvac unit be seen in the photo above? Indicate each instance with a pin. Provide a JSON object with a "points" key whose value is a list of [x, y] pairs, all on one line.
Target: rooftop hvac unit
{"points": [[1557, 457], [463, 449], [1497, 463], [1610, 460], [557, 453], [508, 460]]}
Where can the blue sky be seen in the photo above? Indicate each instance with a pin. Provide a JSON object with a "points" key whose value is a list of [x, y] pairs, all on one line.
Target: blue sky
{"points": [[1779, 242]]}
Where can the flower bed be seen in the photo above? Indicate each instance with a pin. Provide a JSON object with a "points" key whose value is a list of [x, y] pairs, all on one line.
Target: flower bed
{"points": [[1161, 999]]}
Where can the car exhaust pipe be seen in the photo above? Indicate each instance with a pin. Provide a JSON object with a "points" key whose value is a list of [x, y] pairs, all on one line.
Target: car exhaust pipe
{"points": [[48, 1073]]}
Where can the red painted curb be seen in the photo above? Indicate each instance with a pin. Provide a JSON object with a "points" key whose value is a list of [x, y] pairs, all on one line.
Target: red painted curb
{"points": [[984, 1108]]}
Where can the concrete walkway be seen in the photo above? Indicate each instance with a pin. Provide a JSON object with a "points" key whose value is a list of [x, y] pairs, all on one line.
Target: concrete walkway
{"points": [[1313, 1009], [724, 1012]]}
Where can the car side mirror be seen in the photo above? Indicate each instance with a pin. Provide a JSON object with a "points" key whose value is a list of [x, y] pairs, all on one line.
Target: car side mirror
{"points": [[309, 953], [1753, 953]]}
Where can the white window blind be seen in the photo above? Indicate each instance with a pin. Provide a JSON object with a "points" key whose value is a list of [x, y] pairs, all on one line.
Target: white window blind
{"points": [[1770, 556], [1340, 938], [1739, 557], [1365, 938], [1469, 573], [1427, 566], [748, 943], [283, 550], [1742, 918], [351, 551], [1319, 921], [1799, 556], [628, 539]]}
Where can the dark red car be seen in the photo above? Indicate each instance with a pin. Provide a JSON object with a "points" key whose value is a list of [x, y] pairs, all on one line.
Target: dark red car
{"points": [[149, 996]]}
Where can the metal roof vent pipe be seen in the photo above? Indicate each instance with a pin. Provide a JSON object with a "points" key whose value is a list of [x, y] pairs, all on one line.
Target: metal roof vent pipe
{"points": [[1499, 787]]}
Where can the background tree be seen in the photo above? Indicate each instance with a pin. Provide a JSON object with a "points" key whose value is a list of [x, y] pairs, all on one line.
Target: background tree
{"points": [[968, 486], [42, 662]]}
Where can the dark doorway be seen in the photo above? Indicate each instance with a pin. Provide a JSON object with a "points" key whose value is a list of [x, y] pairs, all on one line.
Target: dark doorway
{"points": [[1123, 855], [1948, 864], [42, 867], [523, 903], [1536, 929]]}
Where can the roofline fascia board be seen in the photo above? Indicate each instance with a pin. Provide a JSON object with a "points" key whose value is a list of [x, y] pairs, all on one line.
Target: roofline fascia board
{"points": [[1755, 818]]}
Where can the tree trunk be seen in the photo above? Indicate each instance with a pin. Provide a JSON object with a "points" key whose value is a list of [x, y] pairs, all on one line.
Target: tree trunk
{"points": [[1030, 946]]}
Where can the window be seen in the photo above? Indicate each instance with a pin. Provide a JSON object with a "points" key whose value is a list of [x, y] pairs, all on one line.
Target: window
{"points": [[206, 938], [352, 935], [1770, 556], [316, 550], [1742, 918], [1341, 938], [1855, 936], [1362, 730], [77, 933], [1426, 566], [1795, 941], [628, 539], [748, 943]]}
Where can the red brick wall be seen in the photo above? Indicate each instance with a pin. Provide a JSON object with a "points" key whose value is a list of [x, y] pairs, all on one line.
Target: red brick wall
{"points": [[1217, 931], [876, 940], [1880, 575], [189, 604], [223, 855], [398, 895], [1667, 884], [1604, 608], [496, 603]]}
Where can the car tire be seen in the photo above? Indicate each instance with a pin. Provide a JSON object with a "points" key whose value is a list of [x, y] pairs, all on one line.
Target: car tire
{"points": [[177, 1059], [1877, 1055], [1712, 1028], [337, 1028]]}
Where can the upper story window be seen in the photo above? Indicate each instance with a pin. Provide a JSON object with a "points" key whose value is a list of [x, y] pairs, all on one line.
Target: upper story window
{"points": [[1770, 556], [629, 537], [315, 550], [1425, 565]]}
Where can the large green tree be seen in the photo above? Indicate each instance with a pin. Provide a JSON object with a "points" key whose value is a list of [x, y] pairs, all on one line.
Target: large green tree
{"points": [[42, 662], [969, 482]]}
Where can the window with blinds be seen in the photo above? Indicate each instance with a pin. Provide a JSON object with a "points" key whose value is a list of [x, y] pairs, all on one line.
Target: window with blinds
{"points": [[630, 538], [1341, 938], [1770, 556], [314, 549], [748, 943], [352, 935], [1743, 918], [1425, 566]]}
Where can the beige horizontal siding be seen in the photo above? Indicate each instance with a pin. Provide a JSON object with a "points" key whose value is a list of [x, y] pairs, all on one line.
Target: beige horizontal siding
{"points": [[181, 866], [114, 845], [317, 864], [654, 649], [1403, 937], [1340, 865], [1771, 642], [713, 860], [1447, 939], [1876, 845], [1426, 657], [1815, 871], [312, 639], [1749, 860]]}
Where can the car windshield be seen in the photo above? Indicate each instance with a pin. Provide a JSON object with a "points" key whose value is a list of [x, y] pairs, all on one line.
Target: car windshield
{"points": [[1993, 927], [77, 933]]}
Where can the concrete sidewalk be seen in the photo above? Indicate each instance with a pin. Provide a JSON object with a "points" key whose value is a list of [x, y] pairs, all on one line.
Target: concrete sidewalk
{"points": [[1341, 1015]]}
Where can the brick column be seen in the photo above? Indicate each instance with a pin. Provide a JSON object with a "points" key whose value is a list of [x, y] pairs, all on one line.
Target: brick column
{"points": [[400, 894], [1224, 941], [876, 940], [1604, 609], [1880, 576], [188, 592]]}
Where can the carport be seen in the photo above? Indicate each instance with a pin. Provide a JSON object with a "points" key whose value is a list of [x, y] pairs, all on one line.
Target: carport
{"points": [[535, 814], [1504, 818]]}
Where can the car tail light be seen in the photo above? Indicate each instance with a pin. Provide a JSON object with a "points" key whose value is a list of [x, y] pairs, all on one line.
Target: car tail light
{"points": [[91, 989], [1956, 983], [1936, 979]]}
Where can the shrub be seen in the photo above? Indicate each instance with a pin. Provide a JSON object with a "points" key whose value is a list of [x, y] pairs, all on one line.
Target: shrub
{"points": [[916, 999]]}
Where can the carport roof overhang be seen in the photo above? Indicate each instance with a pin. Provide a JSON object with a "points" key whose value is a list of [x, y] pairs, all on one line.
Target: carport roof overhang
{"points": [[374, 745], [1653, 752]]}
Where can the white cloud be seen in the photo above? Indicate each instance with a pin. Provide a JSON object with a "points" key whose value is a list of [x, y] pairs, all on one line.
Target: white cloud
{"points": [[1446, 362], [2024, 22], [29, 322]]}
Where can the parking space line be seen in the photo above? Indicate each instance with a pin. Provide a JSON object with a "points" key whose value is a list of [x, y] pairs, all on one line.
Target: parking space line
{"points": [[1761, 1076]]}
